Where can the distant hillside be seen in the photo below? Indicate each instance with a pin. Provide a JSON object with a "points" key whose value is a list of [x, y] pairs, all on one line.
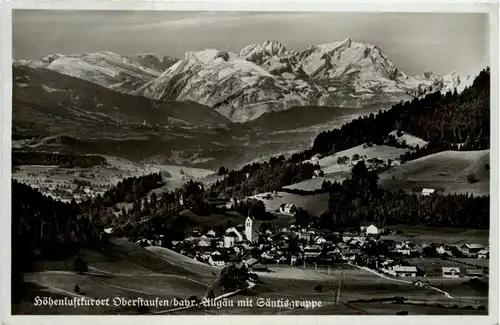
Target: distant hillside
{"points": [[48, 102], [303, 117]]}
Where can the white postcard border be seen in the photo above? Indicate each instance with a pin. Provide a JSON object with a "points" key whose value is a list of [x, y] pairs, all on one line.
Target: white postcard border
{"points": [[237, 5]]}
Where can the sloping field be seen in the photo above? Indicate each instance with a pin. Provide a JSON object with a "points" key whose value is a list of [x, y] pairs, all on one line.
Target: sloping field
{"points": [[183, 261], [329, 164], [121, 270], [315, 183], [448, 170], [315, 204], [409, 139]]}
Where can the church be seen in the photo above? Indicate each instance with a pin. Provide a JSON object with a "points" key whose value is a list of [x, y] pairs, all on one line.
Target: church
{"points": [[252, 229]]}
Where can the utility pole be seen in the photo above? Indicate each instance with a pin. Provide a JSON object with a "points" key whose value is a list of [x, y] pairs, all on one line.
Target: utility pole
{"points": [[337, 299]]}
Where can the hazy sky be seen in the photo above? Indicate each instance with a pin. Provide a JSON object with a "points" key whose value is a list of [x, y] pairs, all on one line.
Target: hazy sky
{"points": [[416, 42]]}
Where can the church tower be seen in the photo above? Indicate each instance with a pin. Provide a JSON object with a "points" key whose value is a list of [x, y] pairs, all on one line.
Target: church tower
{"points": [[249, 228]]}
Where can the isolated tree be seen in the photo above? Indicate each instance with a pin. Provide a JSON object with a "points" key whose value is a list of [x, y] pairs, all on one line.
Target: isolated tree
{"points": [[222, 171], [318, 288], [80, 265], [471, 178]]}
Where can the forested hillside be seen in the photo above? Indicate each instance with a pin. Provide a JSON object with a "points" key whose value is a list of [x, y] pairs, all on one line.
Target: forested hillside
{"points": [[442, 120], [359, 199], [262, 177], [44, 228]]}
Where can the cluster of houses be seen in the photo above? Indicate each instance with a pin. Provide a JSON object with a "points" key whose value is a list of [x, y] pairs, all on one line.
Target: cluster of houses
{"points": [[298, 246]]}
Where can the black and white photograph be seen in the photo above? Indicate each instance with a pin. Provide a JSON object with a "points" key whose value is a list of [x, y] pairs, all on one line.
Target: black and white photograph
{"points": [[251, 163]]}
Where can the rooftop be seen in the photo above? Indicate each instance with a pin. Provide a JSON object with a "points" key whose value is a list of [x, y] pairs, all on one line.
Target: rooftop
{"points": [[405, 269]]}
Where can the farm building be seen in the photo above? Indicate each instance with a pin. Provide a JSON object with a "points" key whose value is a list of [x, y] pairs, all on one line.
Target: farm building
{"points": [[395, 163], [405, 271], [216, 260], [421, 284], [320, 240], [288, 208], [477, 273], [351, 254], [251, 261], [428, 191], [450, 272], [369, 229], [204, 242], [235, 233], [317, 173], [471, 248], [442, 250], [312, 250], [231, 237], [483, 254]]}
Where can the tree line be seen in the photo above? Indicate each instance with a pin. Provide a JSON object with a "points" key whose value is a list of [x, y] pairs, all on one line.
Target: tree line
{"points": [[261, 177], [48, 158]]}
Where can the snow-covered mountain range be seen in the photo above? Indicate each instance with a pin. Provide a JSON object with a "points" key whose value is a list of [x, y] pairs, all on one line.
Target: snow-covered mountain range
{"points": [[260, 78], [267, 77], [120, 73]]}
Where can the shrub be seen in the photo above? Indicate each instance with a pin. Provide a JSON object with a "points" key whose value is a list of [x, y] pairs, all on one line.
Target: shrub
{"points": [[471, 178], [81, 265]]}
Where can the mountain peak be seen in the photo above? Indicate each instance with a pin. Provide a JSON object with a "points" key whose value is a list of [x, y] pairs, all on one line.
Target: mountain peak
{"points": [[346, 42], [260, 52]]}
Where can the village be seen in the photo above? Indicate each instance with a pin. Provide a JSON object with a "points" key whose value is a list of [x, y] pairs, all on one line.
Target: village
{"points": [[369, 247]]}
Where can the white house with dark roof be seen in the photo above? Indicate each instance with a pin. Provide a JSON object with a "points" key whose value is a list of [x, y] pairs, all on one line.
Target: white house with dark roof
{"points": [[288, 208], [369, 229], [428, 191], [471, 248], [234, 232], [483, 254]]}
